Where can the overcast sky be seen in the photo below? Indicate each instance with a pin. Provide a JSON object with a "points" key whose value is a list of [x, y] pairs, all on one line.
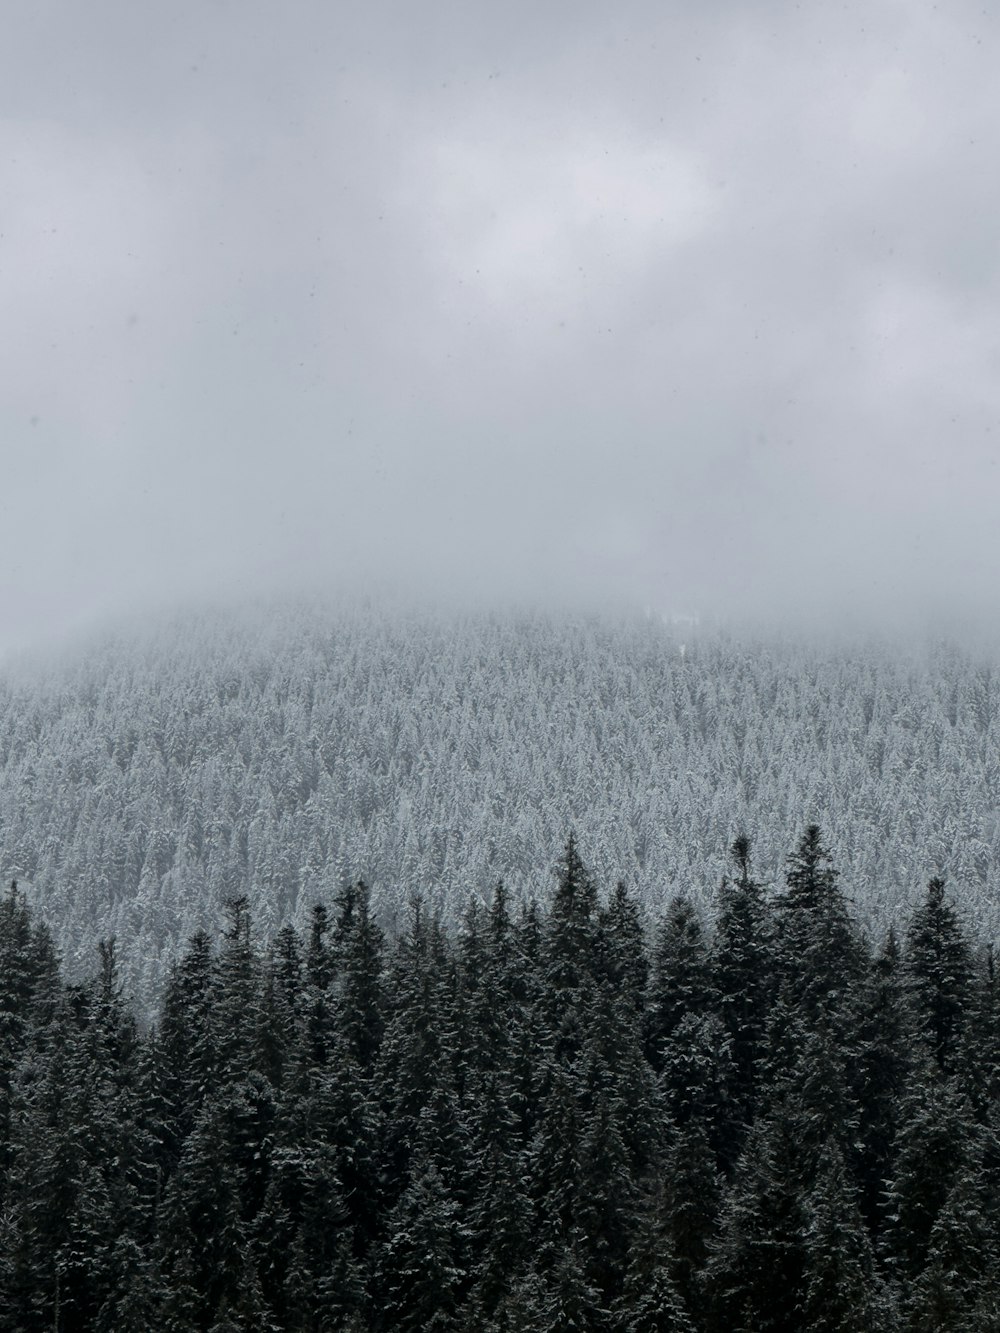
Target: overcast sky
{"points": [[695, 303]]}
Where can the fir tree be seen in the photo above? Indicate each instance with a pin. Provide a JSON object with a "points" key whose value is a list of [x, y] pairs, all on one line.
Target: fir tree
{"points": [[741, 968], [680, 982], [841, 1292], [939, 976]]}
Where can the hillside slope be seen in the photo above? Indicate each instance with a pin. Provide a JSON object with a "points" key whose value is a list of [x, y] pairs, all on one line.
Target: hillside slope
{"points": [[156, 773]]}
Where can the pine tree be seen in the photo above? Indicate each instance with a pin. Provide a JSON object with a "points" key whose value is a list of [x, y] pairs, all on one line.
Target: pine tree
{"points": [[882, 1073], [978, 1060], [690, 1198], [499, 1215], [203, 1241], [281, 1005], [28, 979], [935, 1137], [754, 1279], [186, 1045], [962, 1255], [358, 954], [571, 955], [939, 976], [680, 982], [820, 959], [622, 948], [421, 1272], [650, 1301], [841, 1292], [564, 1301], [741, 970]]}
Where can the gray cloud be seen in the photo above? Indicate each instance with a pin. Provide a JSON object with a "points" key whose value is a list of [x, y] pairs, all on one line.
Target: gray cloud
{"points": [[694, 303]]}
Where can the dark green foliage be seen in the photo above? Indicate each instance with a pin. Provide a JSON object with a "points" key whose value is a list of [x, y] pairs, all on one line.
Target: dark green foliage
{"points": [[841, 1292], [880, 1076], [531, 1125], [939, 975], [742, 972], [819, 956], [680, 983], [936, 1136], [421, 1273]]}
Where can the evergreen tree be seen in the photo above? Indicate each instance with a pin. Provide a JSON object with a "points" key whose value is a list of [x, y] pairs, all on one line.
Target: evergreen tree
{"points": [[841, 1292], [650, 1301], [936, 1136], [28, 980], [755, 1276], [962, 1255], [883, 1070], [741, 972], [571, 955], [186, 1045], [820, 958], [978, 1060], [622, 948], [680, 982], [939, 976], [358, 952], [421, 1272]]}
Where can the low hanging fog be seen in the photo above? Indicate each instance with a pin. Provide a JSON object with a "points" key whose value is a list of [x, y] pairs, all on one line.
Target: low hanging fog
{"points": [[694, 305]]}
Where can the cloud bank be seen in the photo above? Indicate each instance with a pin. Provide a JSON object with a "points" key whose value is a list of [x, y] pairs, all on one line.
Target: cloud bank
{"points": [[695, 305]]}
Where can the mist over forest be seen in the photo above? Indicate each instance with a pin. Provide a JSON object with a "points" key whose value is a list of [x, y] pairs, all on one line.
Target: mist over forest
{"points": [[499, 667]]}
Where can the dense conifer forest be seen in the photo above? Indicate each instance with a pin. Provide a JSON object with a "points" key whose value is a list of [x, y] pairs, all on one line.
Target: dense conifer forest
{"points": [[568, 1116], [281, 752]]}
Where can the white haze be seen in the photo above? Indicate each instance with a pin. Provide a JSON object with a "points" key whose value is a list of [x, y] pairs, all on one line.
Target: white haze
{"points": [[695, 305]]}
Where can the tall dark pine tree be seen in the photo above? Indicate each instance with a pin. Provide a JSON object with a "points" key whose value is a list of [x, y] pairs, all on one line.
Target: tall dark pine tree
{"points": [[959, 1280], [741, 971], [820, 952], [979, 1055], [624, 958], [754, 1279], [357, 951], [881, 1076], [841, 1292], [820, 965], [571, 954], [936, 1142], [29, 982], [187, 1058], [938, 971], [680, 983], [83, 1183]]}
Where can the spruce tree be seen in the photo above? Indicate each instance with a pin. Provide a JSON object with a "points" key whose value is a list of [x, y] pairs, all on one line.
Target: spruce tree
{"points": [[882, 1072], [841, 1292], [741, 972], [939, 976], [680, 982]]}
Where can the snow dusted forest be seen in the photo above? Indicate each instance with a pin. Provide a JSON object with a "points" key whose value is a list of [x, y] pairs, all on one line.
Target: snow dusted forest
{"points": [[300, 1032], [281, 753]]}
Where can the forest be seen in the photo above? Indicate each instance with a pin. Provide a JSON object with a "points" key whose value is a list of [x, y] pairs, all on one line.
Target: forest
{"points": [[279, 751], [569, 1115]]}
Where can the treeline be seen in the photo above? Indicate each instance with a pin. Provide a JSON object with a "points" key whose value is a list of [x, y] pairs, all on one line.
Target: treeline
{"points": [[559, 1118], [144, 781]]}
